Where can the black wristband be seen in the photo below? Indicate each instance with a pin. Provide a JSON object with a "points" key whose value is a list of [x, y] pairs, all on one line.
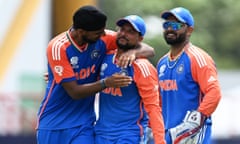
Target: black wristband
{"points": [[103, 85]]}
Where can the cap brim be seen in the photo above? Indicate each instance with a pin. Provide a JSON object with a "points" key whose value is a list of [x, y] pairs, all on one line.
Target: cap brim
{"points": [[121, 22], [166, 14]]}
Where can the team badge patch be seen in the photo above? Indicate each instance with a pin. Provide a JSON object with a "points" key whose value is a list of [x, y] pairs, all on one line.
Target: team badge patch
{"points": [[95, 54], [180, 68], [123, 72]]}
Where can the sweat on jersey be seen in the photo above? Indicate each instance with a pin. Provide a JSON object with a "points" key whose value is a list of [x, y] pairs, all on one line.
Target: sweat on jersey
{"points": [[67, 62], [125, 111], [188, 83]]}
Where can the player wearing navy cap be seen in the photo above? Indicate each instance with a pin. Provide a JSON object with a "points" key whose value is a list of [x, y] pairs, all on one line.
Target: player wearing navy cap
{"points": [[188, 81], [66, 114], [124, 113]]}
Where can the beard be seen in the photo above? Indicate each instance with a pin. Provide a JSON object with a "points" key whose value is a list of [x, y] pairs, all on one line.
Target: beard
{"points": [[178, 40], [124, 47], [87, 40]]}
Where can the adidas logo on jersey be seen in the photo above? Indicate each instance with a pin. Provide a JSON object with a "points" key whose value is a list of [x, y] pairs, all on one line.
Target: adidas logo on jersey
{"points": [[211, 79]]}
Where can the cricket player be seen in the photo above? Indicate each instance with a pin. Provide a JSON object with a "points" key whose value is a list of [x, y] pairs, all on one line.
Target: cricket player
{"points": [[66, 114], [126, 112], [189, 86]]}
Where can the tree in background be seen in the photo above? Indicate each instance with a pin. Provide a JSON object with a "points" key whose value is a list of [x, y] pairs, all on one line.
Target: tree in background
{"points": [[216, 25]]}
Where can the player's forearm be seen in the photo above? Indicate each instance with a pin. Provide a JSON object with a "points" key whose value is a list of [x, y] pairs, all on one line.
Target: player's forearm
{"points": [[210, 101], [145, 50], [84, 90], [77, 91]]}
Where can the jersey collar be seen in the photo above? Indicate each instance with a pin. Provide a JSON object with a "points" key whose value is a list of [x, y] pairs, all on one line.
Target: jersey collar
{"points": [[80, 48]]}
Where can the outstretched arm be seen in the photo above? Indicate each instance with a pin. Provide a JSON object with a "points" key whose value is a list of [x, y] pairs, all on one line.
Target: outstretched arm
{"points": [[77, 91], [145, 50]]}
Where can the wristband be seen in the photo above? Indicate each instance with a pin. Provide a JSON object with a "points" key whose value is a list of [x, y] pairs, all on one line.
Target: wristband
{"points": [[103, 85]]}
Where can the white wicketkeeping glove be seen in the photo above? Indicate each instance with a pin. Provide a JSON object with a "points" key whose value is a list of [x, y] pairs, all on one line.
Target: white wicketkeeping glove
{"points": [[190, 130]]}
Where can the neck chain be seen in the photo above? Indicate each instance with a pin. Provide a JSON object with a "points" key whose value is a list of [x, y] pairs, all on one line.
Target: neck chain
{"points": [[173, 65], [175, 61]]}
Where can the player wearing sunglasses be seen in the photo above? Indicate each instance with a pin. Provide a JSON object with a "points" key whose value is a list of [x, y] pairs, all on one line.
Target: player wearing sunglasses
{"points": [[173, 25], [189, 86]]}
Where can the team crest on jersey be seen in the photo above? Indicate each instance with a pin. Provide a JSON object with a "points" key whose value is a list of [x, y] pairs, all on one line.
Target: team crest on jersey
{"points": [[95, 54], [162, 70], [103, 68], [123, 72], [180, 68], [74, 62]]}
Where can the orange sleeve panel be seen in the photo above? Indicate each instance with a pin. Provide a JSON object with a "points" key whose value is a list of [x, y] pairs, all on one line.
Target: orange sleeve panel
{"points": [[145, 76], [57, 58], [204, 72], [110, 40]]}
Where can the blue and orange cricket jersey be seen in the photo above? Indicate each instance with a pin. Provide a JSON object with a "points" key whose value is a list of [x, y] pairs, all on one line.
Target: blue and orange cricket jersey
{"points": [[69, 62], [126, 111], [187, 83]]}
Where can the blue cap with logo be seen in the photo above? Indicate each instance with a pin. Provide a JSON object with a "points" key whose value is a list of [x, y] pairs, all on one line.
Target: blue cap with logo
{"points": [[136, 21], [182, 14]]}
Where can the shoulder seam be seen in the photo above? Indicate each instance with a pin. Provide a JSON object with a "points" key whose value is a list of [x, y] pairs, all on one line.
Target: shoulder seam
{"points": [[143, 68], [56, 47], [198, 56]]}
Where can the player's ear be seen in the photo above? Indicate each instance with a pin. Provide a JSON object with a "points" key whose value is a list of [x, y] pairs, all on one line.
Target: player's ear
{"points": [[140, 38], [189, 31]]}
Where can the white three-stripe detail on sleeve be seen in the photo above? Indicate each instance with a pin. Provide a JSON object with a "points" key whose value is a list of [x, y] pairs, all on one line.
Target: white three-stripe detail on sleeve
{"points": [[56, 48], [199, 57], [144, 69]]}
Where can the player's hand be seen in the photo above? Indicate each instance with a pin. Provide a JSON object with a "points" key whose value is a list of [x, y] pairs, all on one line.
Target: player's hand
{"points": [[45, 77], [188, 132], [118, 80], [127, 58]]}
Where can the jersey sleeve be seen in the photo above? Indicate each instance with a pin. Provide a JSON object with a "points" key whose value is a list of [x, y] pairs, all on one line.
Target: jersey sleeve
{"points": [[204, 72], [57, 58], [145, 76], [110, 40]]}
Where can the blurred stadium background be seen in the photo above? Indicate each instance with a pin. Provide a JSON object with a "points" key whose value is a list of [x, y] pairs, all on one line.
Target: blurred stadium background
{"points": [[26, 28]]}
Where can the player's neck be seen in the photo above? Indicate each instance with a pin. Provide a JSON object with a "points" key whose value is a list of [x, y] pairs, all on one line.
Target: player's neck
{"points": [[177, 49], [77, 38]]}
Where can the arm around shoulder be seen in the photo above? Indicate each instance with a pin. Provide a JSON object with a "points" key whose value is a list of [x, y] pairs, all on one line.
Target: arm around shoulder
{"points": [[145, 50]]}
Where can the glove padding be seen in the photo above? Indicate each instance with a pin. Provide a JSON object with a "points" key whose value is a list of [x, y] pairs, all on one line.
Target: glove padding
{"points": [[189, 131]]}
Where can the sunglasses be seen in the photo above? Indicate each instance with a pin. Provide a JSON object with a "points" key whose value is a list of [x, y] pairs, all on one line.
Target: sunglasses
{"points": [[172, 25]]}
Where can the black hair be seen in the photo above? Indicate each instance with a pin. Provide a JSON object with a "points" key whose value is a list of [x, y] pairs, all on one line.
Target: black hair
{"points": [[89, 18]]}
